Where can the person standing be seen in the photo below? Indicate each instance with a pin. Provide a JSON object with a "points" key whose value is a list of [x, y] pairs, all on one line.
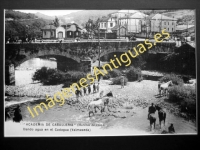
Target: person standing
{"points": [[94, 88], [77, 94], [84, 90], [122, 81], [97, 87], [89, 89], [152, 109]]}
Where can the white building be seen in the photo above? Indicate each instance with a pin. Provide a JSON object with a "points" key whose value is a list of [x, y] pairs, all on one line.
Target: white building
{"points": [[107, 23], [50, 31], [160, 22], [133, 22]]}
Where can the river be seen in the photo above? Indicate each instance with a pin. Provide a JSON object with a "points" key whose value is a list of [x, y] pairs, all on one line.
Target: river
{"points": [[24, 72]]}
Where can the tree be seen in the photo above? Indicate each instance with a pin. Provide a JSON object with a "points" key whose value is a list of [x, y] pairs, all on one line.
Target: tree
{"points": [[56, 22], [92, 27]]}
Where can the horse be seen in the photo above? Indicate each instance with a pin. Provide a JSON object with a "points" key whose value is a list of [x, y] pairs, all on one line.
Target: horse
{"points": [[164, 87], [152, 119], [99, 103], [161, 114]]}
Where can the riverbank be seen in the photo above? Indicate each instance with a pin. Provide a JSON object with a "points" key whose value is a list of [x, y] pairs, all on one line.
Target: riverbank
{"points": [[130, 108]]}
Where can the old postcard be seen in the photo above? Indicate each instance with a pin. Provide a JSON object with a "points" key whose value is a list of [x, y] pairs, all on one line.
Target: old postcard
{"points": [[99, 72]]}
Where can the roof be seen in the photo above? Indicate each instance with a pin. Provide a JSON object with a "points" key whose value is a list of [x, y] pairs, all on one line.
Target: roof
{"points": [[116, 27], [186, 47], [163, 17], [127, 11], [183, 27], [192, 44], [104, 19], [50, 27]]}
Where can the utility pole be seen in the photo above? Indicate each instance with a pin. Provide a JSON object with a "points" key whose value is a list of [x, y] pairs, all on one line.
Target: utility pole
{"points": [[98, 25]]}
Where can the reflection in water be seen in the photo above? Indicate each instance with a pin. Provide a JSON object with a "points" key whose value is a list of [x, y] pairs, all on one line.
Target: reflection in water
{"points": [[24, 72]]}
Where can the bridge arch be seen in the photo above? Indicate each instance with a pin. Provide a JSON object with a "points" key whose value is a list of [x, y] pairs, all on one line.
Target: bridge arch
{"points": [[47, 53]]}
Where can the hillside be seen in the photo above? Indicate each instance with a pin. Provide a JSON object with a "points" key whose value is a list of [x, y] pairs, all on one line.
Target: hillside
{"points": [[82, 16], [40, 15], [23, 23]]}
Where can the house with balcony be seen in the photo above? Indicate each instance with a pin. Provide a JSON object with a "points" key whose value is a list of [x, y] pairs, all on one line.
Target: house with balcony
{"points": [[106, 24]]}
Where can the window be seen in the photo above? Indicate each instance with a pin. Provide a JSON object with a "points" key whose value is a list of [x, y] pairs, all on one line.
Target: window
{"points": [[168, 23], [111, 24], [45, 32], [168, 29], [51, 33], [104, 25], [172, 24], [164, 23], [77, 33], [172, 29], [70, 33]]}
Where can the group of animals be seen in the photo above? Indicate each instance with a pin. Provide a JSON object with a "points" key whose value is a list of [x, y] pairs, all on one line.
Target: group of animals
{"points": [[161, 115]]}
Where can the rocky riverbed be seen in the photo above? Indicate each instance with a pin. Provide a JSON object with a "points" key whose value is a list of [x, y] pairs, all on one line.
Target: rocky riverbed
{"points": [[128, 104]]}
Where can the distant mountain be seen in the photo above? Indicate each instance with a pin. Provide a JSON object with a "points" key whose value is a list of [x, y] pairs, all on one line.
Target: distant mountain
{"points": [[81, 17], [40, 15]]}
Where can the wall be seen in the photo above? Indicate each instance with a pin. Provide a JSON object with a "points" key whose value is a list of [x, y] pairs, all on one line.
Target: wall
{"points": [[60, 29]]}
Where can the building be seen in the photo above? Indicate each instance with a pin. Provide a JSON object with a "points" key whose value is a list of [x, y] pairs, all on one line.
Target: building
{"points": [[67, 31], [133, 22], [106, 24], [123, 13], [160, 22], [121, 31], [72, 30], [185, 30], [51, 32]]}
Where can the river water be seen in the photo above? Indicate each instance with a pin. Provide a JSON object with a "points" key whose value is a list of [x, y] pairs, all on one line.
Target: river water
{"points": [[24, 72]]}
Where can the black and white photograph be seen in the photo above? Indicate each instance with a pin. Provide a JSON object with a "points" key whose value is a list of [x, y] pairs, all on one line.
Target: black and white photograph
{"points": [[90, 72]]}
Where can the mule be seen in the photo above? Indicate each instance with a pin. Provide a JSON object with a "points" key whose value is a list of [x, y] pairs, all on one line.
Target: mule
{"points": [[161, 114], [152, 119], [164, 87]]}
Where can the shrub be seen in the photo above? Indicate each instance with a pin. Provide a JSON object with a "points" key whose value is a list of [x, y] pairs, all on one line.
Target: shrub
{"points": [[175, 79], [133, 74], [117, 80], [75, 75], [179, 93], [186, 96], [48, 76], [115, 73]]}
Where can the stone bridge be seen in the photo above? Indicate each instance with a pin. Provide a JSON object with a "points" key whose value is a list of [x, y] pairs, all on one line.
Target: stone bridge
{"points": [[78, 51]]}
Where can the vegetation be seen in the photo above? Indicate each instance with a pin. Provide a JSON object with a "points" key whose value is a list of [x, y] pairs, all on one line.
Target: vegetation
{"points": [[133, 74], [185, 96], [53, 76], [117, 80], [113, 74], [23, 24], [174, 78], [48, 76]]}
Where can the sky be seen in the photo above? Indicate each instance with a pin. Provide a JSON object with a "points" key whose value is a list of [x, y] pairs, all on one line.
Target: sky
{"points": [[49, 12]]}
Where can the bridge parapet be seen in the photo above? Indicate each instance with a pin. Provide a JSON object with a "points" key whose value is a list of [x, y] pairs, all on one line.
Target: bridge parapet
{"points": [[76, 50]]}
